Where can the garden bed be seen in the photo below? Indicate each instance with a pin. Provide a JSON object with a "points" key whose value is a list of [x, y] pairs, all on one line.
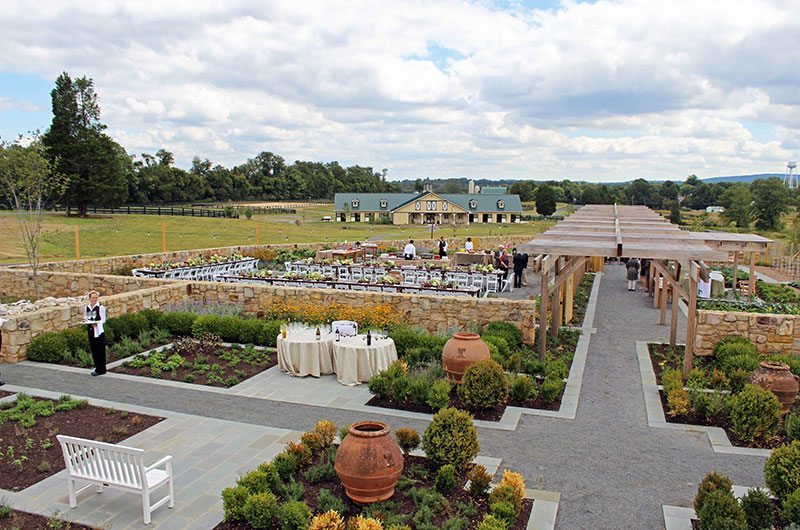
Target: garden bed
{"points": [[3, 393], [581, 298], [302, 482], [28, 429], [492, 414], [714, 409], [203, 362], [18, 519]]}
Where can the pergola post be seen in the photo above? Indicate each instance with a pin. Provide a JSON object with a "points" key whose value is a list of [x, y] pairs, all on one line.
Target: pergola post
{"points": [[555, 311], [692, 320], [736, 271], [676, 298], [751, 287], [543, 310], [663, 300]]}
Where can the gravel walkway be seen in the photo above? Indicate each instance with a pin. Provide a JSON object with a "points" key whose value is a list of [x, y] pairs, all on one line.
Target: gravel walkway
{"points": [[612, 470]]}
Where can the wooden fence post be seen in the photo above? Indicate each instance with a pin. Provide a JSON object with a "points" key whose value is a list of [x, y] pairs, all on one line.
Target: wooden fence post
{"points": [[77, 243]]}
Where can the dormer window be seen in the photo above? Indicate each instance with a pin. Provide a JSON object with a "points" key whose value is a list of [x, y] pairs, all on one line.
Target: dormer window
{"points": [[384, 203], [501, 204], [354, 203], [473, 204]]}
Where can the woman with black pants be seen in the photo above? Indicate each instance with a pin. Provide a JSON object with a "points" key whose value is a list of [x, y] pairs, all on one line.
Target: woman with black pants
{"points": [[95, 313]]}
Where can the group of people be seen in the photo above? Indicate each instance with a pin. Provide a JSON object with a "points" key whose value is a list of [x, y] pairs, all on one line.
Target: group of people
{"points": [[637, 270], [516, 261]]}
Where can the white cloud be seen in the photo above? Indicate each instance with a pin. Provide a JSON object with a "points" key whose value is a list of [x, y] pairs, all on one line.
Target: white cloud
{"points": [[17, 104], [610, 89]]}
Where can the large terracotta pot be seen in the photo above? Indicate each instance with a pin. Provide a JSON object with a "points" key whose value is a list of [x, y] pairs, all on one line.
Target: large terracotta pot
{"points": [[775, 376], [369, 462], [461, 351]]}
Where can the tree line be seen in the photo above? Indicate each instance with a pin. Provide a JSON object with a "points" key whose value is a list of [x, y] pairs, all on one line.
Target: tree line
{"points": [[93, 169]]}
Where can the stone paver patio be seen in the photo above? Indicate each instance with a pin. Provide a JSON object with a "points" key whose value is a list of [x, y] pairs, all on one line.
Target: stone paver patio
{"points": [[611, 468]]}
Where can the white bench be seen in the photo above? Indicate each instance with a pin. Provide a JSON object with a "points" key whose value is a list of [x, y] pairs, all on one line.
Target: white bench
{"points": [[115, 466]]}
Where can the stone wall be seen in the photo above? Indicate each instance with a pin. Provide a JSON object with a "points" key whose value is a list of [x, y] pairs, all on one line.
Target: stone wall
{"points": [[18, 331], [770, 333], [19, 284], [433, 313], [126, 295], [117, 264]]}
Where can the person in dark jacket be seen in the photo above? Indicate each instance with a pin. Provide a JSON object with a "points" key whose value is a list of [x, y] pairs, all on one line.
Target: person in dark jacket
{"points": [[644, 272], [632, 274], [519, 265]]}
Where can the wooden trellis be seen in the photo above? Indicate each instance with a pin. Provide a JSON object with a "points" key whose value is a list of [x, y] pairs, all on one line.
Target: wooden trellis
{"points": [[634, 231]]}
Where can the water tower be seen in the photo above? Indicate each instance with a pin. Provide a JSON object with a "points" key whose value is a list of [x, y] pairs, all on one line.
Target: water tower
{"points": [[791, 175]]}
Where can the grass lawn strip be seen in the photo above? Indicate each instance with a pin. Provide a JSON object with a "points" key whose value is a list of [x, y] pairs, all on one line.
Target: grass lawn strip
{"points": [[28, 429]]}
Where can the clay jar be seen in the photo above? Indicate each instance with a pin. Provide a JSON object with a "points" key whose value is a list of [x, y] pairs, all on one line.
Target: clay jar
{"points": [[461, 351], [775, 376], [369, 462]]}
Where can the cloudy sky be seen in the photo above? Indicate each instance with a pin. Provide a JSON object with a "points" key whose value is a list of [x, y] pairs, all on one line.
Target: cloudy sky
{"points": [[606, 90]]}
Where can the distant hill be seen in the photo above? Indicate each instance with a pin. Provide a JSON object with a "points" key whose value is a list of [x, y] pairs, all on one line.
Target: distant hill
{"points": [[742, 178]]}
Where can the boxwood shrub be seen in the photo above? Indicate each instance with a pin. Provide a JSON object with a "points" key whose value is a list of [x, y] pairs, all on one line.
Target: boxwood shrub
{"points": [[49, 347], [127, 325], [451, 438], [506, 330], [179, 322]]}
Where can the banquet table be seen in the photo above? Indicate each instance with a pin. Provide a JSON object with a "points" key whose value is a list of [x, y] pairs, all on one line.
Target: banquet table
{"points": [[473, 258], [355, 362], [301, 354]]}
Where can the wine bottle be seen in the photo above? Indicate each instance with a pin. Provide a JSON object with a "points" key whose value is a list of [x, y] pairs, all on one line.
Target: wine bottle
{"points": [[319, 335], [338, 335], [369, 338]]}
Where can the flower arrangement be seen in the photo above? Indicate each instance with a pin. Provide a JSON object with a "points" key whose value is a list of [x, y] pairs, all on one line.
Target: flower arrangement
{"points": [[213, 259], [389, 279], [376, 316]]}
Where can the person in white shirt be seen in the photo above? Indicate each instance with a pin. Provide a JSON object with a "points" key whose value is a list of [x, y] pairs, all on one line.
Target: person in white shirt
{"points": [[468, 246], [95, 313], [410, 252]]}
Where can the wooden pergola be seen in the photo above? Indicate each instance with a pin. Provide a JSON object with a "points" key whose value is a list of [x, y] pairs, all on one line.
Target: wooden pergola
{"points": [[633, 231]]}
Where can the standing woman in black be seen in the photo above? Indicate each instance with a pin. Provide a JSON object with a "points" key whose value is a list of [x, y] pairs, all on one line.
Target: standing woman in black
{"points": [[96, 314]]}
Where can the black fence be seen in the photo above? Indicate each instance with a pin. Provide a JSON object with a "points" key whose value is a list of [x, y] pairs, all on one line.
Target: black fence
{"points": [[266, 210], [166, 210]]}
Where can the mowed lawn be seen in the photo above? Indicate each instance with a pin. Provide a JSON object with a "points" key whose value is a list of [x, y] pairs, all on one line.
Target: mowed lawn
{"points": [[115, 235]]}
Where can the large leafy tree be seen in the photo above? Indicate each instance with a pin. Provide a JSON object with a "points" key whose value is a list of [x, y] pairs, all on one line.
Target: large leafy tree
{"points": [[29, 186], [93, 164], [770, 201], [545, 200], [738, 203]]}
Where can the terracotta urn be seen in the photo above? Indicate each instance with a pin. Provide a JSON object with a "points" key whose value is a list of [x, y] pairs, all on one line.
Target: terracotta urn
{"points": [[369, 462], [461, 351], [775, 376]]}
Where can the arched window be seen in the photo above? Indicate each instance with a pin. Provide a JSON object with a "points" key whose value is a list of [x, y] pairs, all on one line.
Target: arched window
{"points": [[354, 203], [430, 206], [444, 206], [384, 203], [501, 204], [473, 204], [418, 206]]}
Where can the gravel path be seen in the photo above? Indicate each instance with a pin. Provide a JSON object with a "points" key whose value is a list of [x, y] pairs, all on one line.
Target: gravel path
{"points": [[612, 470]]}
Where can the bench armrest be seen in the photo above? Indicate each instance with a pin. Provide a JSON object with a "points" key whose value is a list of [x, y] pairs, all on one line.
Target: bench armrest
{"points": [[165, 460]]}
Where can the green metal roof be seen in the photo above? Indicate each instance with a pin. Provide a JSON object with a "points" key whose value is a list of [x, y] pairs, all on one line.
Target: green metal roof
{"points": [[371, 202]]}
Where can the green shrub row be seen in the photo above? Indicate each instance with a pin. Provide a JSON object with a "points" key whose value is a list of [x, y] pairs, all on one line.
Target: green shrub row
{"points": [[71, 346]]}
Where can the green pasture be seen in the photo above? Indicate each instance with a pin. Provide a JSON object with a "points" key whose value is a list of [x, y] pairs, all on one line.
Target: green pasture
{"points": [[115, 235]]}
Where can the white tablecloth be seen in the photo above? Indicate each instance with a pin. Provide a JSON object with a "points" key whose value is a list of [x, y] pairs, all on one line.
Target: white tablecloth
{"points": [[301, 354], [355, 362]]}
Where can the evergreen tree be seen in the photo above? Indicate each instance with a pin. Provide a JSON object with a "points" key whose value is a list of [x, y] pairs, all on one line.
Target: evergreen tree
{"points": [[545, 200], [93, 164]]}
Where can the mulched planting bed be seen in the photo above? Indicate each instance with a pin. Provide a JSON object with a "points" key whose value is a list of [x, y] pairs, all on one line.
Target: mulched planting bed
{"points": [[400, 508], [203, 362], [659, 352], [3, 393], [22, 520], [581, 299], [492, 414], [28, 429]]}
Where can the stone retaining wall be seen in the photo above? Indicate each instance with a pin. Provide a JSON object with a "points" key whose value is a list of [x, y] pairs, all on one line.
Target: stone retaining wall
{"points": [[125, 295], [769, 332], [19, 284], [117, 264], [18, 331]]}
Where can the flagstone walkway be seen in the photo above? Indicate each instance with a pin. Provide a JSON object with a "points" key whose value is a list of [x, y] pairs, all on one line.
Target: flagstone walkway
{"points": [[612, 470]]}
